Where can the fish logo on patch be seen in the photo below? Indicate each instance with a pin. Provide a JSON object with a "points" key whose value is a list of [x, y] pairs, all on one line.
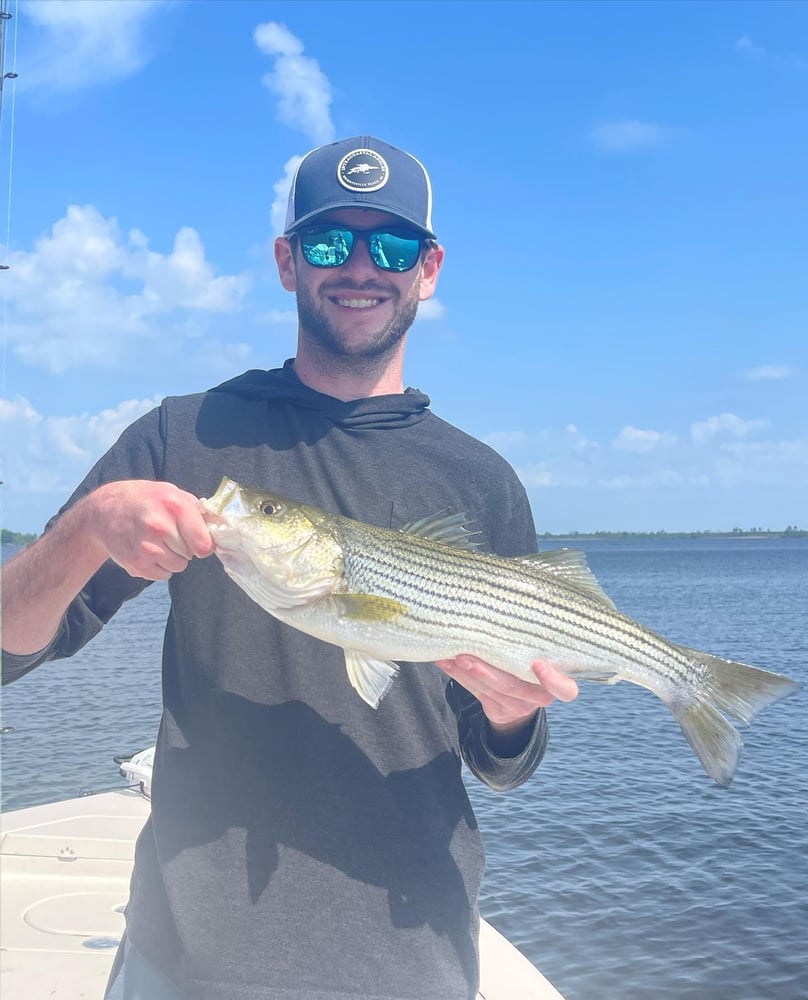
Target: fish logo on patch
{"points": [[363, 170]]}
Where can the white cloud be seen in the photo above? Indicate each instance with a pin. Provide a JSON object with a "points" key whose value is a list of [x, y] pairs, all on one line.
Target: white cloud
{"points": [[625, 136], [773, 463], [723, 425], [760, 53], [535, 474], [281, 189], [430, 309], [768, 372], [656, 478], [582, 444], [280, 317], [634, 439], [51, 454], [302, 89], [304, 101], [87, 294], [80, 43], [505, 440], [746, 45]]}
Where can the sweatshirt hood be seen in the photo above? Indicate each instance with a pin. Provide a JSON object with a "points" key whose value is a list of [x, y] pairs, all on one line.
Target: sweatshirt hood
{"points": [[282, 385]]}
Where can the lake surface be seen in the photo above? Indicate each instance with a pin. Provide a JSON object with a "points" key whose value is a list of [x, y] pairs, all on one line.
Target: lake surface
{"points": [[620, 869]]}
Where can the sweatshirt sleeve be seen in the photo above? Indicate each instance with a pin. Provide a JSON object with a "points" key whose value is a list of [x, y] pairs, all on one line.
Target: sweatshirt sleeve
{"points": [[500, 773], [136, 455]]}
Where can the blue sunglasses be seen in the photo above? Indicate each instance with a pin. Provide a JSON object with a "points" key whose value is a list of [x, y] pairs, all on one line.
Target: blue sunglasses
{"points": [[391, 249]]}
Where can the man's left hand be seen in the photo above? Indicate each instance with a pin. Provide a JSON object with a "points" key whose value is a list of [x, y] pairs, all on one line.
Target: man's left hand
{"points": [[510, 704]]}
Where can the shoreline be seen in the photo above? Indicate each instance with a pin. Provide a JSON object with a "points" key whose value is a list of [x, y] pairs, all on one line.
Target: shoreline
{"points": [[589, 536]]}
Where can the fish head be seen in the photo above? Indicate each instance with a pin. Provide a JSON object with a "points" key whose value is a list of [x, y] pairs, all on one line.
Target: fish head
{"points": [[279, 548]]}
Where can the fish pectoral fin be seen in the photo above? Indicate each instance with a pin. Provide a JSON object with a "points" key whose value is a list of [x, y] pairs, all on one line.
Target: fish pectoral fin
{"points": [[570, 566], [370, 677], [450, 529], [601, 678], [367, 607]]}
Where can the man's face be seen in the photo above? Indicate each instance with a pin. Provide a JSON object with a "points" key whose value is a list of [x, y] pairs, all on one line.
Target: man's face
{"points": [[356, 310]]}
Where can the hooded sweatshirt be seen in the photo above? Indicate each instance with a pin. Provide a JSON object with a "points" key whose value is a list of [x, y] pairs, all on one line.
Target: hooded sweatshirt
{"points": [[302, 846]]}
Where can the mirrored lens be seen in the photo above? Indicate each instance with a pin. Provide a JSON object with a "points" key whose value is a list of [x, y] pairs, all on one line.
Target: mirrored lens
{"points": [[390, 250], [326, 247], [394, 251]]}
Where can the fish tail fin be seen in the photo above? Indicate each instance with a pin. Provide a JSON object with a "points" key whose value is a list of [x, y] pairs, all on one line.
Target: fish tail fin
{"points": [[716, 742], [737, 689]]}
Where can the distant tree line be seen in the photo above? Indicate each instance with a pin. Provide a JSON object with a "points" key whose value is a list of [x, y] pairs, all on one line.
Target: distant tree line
{"points": [[792, 531], [15, 537]]}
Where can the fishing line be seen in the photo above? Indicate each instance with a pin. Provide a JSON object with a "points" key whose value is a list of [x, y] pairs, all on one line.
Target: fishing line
{"points": [[5, 17]]}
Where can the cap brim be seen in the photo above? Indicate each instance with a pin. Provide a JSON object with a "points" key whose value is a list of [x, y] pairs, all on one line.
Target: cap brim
{"points": [[367, 205]]}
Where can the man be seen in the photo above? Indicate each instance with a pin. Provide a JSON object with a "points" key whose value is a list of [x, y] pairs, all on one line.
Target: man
{"points": [[301, 846]]}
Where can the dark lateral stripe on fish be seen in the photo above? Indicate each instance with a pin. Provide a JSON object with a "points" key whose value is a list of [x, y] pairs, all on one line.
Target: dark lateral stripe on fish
{"points": [[516, 609]]}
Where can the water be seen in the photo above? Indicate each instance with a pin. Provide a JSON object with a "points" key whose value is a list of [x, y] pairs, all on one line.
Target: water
{"points": [[620, 869]]}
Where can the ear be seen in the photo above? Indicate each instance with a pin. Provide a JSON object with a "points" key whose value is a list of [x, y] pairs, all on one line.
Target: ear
{"points": [[285, 259], [433, 261]]}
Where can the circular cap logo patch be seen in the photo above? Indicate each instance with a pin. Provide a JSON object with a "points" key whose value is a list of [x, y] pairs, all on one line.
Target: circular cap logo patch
{"points": [[363, 170]]}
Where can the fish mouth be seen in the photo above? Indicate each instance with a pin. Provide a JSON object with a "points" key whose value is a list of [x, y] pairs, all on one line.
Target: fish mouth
{"points": [[227, 495]]}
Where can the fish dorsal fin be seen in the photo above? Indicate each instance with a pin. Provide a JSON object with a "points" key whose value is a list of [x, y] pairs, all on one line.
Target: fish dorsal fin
{"points": [[450, 529], [570, 566], [370, 678]]}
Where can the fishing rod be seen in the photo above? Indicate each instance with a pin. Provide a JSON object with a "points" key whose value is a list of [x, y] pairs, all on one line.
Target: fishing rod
{"points": [[5, 17]]}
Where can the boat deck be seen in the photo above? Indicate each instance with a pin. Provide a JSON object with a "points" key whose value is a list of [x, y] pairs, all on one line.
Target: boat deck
{"points": [[65, 870]]}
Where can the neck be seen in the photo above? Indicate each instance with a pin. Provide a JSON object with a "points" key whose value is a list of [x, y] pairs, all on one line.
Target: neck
{"points": [[350, 378]]}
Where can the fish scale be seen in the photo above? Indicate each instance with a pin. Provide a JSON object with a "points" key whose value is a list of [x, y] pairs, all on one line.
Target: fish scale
{"points": [[498, 606], [424, 594]]}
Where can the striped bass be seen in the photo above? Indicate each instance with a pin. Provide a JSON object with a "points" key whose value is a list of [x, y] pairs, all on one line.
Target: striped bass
{"points": [[424, 593]]}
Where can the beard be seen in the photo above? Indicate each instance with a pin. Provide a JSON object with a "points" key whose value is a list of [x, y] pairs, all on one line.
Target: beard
{"points": [[330, 340]]}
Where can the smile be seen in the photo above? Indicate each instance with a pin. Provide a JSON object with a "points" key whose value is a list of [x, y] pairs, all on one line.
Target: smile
{"points": [[358, 303]]}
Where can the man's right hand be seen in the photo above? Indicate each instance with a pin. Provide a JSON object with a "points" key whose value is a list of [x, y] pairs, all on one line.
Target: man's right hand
{"points": [[150, 529]]}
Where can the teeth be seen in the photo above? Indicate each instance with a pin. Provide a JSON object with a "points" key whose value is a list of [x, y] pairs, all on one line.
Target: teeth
{"points": [[358, 303]]}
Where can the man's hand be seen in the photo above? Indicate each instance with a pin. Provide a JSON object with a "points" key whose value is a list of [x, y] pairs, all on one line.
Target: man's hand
{"points": [[510, 704], [150, 529]]}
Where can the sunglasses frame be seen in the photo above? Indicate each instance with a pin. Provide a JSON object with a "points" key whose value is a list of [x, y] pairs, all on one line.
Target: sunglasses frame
{"points": [[365, 235]]}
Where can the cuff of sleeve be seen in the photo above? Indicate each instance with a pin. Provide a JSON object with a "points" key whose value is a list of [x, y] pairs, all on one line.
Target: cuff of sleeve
{"points": [[16, 665], [521, 746]]}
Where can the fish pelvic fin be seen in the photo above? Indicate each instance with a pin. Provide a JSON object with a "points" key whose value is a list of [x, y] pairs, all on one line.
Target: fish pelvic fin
{"points": [[740, 691], [370, 678]]}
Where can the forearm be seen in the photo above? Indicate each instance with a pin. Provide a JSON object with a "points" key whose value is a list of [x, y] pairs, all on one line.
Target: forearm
{"points": [[149, 529], [39, 584]]}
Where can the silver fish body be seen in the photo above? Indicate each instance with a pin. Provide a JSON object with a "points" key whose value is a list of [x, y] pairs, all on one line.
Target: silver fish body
{"points": [[424, 593]]}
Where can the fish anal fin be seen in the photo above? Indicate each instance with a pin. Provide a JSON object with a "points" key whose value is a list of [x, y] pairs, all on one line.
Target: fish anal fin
{"points": [[370, 678]]}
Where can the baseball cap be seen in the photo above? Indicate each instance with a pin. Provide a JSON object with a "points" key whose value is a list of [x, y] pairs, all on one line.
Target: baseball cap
{"points": [[361, 172]]}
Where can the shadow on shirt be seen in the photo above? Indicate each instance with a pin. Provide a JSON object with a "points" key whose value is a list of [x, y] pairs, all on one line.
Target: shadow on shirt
{"points": [[290, 779]]}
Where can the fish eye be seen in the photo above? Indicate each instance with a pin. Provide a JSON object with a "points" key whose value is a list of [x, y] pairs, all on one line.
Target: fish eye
{"points": [[269, 508]]}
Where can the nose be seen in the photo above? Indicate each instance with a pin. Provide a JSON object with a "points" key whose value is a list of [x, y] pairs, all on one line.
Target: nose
{"points": [[360, 264]]}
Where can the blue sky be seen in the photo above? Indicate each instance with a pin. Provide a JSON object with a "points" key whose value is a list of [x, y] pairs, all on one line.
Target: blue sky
{"points": [[620, 188]]}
